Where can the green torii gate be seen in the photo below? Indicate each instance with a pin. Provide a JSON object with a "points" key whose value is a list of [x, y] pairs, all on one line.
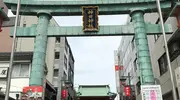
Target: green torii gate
{"points": [[45, 9], [95, 92]]}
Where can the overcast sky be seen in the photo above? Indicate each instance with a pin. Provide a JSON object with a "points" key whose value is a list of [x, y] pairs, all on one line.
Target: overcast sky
{"points": [[94, 56]]}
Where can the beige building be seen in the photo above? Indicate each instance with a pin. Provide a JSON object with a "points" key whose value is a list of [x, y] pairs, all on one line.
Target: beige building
{"points": [[58, 56], [159, 60]]}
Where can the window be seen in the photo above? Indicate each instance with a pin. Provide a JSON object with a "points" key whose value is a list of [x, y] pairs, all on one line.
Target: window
{"points": [[56, 71], [72, 75], [69, 74], [138, 87], [58, 39], [65, 62], [163, 64], [70, 66], [174, 49], [135, 64], [20, 70], [57, 55], [66, 48], [133, 43], [64, 76]]}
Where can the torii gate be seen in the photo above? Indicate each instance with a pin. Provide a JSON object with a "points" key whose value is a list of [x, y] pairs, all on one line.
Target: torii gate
{"points": [[45, 9]]}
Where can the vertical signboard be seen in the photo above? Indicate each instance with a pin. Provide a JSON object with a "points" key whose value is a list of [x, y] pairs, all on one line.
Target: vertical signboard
{"points": [[151, 92], [90, 18], [127, 91]]}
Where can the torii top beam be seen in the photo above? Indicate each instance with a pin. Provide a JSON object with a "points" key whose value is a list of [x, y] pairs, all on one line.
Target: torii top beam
{"points": [[70, 8]]}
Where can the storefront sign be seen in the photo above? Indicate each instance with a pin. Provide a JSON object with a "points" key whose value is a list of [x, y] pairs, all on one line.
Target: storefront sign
{"points": [[151, 92]]}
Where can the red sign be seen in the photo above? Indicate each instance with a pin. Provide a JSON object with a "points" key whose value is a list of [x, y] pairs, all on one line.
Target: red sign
{"points": [[121, 67], [33, 89], [33, 92], [127, 90], [64, 94], [116, 68]]}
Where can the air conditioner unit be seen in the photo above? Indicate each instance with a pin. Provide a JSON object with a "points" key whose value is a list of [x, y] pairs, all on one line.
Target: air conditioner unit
{"points": [[177, 75], [174, 48]]}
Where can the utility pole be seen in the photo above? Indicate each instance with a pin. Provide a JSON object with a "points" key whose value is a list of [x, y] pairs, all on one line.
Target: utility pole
{"points": [[12, 53], [166, 49]]}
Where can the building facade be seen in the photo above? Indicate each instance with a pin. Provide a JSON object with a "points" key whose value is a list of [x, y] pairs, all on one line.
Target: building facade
{"points": [[128, 58], [127, 61], [59, 58]]}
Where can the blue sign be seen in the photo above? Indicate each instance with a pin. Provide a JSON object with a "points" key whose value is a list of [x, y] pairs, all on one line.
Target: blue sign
{"points": [[90, 18]]}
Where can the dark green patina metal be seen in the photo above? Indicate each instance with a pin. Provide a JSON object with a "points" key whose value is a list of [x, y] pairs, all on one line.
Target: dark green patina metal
{"points": [[107, 30], [95, 91], [38, 64], [71, 8], [106, 7], [144, 60]]}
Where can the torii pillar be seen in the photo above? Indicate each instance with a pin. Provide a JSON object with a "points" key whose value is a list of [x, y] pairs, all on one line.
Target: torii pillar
{"points": [[143, 55], [37, 72]]}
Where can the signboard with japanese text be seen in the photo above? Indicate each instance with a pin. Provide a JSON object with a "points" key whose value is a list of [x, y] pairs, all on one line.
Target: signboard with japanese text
{"points": [[90, 18], [151, 92], [3, 72]]}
